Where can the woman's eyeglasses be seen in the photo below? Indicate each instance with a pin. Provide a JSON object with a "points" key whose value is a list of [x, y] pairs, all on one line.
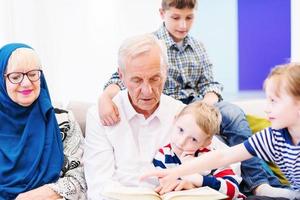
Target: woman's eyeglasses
{"points": [[17, 77]]}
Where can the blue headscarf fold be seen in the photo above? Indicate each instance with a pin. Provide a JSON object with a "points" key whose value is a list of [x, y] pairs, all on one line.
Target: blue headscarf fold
{"points": [[31, 150]]}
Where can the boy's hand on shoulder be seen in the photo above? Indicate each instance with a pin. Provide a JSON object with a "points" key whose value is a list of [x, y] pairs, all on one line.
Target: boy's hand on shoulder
{"points": [[108, 111]]}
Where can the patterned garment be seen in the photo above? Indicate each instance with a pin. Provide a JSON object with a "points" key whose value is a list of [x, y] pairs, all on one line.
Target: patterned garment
{"points": [[277, 146], [223, 180], [190, 71], [71, 184]]}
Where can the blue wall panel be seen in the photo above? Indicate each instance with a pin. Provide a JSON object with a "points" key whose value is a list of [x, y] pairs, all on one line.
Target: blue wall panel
{"points": [[264, 39]]}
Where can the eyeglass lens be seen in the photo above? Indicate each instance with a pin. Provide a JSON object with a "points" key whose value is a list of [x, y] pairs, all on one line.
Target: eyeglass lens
{"points": [[17, 77]]}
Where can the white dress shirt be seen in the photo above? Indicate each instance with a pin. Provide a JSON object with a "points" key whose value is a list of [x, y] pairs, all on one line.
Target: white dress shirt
{"points": [[119, 154]]}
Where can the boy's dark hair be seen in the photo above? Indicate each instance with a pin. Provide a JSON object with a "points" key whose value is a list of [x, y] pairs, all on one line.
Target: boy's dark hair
{"points": [[179, 4]]}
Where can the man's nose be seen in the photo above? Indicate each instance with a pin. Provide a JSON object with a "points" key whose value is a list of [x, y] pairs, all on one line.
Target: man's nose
{"points": [[147, 89]]}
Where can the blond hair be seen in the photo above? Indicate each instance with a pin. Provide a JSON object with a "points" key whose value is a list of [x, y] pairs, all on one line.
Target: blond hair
{"points": [[207, 117], [286, 77], [179, 4]]}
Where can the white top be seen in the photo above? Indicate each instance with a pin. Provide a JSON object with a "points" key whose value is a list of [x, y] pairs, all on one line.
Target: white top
{"points": [[119, 154]]}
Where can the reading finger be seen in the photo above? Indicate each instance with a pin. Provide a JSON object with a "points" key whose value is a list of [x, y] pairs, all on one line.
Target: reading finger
{"points": [[158, 189], [168, 188], [179, 186]]}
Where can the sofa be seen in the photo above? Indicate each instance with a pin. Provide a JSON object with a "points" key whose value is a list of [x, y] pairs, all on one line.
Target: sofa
{"points": [[253, 107]]}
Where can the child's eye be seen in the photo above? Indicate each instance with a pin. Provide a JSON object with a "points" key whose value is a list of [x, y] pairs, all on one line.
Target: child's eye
{"points": [[272, 101], [180, 130], [194, 140], [175, 18]]}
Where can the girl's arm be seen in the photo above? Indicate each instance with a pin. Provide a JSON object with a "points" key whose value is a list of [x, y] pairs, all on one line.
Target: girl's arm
{"points": [[211, 160]]}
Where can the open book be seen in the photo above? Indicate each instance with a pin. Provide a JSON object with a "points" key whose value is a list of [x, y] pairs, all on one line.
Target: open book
{"points": [[138, 193]]}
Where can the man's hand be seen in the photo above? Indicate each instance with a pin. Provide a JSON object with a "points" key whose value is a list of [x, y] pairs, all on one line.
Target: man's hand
{"points": [[108, 111], [41, 193]]}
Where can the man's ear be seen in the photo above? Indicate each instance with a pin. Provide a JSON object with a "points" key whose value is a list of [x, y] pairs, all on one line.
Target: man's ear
{"points": [[162, 13]]}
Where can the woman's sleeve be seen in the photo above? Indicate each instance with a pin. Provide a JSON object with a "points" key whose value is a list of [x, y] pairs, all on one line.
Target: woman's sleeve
{"points": [[71, 184]]}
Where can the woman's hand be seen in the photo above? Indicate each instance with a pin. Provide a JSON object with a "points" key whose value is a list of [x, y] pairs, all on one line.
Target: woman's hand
{"points": [[40, 193], [108, 111]]}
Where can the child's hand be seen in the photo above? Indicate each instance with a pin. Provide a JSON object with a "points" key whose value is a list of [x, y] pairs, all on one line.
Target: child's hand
{"points": [[195, 179], [167, 177], [108, 111], [176, 185]]}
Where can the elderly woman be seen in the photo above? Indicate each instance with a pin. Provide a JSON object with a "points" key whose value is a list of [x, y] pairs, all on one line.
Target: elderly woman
{"points": [[40, 147]]}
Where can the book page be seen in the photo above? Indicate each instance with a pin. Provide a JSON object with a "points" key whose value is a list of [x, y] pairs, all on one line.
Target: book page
{"points": [[203, 193], [130, 193], [141, 193]]}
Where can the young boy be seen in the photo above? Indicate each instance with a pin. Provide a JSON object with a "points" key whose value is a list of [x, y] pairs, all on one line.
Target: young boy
{"points": [[190, 79], [278, 144], [193, 135]]}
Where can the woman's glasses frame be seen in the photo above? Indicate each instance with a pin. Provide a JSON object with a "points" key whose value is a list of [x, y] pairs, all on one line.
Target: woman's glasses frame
{"points": [[21, 75]]}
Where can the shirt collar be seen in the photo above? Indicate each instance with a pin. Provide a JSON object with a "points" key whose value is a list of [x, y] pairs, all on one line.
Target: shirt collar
{"points": [[288, 138], [130, 112], [163, 33]]}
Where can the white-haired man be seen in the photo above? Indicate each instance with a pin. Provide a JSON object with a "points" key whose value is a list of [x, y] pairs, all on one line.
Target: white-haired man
{"points": [[119, 154]]}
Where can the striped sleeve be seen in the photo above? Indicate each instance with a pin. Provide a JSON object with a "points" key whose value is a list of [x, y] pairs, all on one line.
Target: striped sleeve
{"points": [[260, 145], [225, 181], [158, 160], [165, 158], [115, 79]]}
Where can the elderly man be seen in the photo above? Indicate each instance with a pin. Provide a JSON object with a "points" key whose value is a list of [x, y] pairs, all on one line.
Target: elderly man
{"points": [[121, 153]]}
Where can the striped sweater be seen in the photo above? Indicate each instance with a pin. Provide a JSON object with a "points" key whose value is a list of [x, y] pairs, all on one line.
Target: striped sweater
{"points": [[225, 180], [276, 146]]}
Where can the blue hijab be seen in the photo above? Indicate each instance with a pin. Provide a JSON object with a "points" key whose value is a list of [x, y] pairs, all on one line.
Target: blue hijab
{"points": [[31, 150]]}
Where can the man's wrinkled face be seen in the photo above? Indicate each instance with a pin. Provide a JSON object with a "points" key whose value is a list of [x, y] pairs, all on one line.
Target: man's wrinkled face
{"points": [[144, 78]]}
